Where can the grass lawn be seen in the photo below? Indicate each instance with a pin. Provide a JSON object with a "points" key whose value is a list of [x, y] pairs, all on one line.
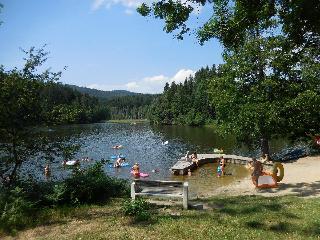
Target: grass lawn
{"points": [[242, 217]]}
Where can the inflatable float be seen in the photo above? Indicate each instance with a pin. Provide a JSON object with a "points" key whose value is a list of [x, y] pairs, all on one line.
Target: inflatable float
{"points": [[165, 143], [266, 180], [216, 150], [113, 157], [121, 165], [278, 168], [140, 174], [71, 162]]}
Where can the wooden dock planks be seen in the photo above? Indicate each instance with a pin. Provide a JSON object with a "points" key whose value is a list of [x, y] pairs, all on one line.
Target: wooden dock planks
{"points": [[182, 166]]}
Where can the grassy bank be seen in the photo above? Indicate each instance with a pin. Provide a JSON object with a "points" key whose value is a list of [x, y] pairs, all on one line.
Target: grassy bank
{"points": [[242, 217], [131, 121]]}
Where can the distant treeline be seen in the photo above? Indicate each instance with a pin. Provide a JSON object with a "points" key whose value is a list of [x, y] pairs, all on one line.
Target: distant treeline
{"points": [[121, 104], [100, 94], [185, 103], [130, 107]]}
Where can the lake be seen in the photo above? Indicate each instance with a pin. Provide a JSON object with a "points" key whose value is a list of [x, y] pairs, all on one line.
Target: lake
{"points": [[144, 144]]}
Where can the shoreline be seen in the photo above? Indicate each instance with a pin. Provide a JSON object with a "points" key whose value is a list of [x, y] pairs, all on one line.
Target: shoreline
{"points": [[301, 178], [131, 121]]}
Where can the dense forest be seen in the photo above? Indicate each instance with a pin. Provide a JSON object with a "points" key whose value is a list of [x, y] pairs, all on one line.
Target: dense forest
{"points": [[185, 103], [62, 105], [121, 104], [130, 107]]}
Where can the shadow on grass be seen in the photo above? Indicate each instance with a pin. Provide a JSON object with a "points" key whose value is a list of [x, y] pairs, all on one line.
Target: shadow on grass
{"points": [[299, 189], [61, 215], [313, 230], [246, 205], [255, 224], [275, 227], [281, 227]]}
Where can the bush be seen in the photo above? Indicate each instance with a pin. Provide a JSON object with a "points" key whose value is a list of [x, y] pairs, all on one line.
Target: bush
{"points": [[92, 185], [139, 209], [15, 209], [89, 186]]}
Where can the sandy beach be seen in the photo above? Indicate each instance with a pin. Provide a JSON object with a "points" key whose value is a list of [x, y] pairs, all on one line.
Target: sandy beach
{"points": [[302, 178]]}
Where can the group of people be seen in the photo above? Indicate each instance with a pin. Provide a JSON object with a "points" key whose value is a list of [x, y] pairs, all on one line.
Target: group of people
{"points": [[220, 168], [255, 165]]}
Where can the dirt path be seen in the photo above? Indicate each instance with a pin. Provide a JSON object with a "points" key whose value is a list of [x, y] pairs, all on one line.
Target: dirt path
{"points": [[302, 177]]}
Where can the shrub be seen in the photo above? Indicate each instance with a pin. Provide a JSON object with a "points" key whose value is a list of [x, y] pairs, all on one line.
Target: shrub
{"points": [[138, 208], [91, 186], [15, 209]]}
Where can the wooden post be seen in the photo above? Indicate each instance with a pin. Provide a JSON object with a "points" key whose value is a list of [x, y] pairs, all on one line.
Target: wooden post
{"points": [[185, 195], [133, 190]]}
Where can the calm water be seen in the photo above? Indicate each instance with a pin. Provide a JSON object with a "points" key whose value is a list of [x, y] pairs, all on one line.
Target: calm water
{"points": [[144, 144]]}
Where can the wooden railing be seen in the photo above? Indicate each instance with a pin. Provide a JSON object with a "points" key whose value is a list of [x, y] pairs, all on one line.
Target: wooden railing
{"points": [[157, 188]]}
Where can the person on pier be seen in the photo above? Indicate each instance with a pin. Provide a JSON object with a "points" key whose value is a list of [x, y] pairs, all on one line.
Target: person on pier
{"points": [[194, 158]]}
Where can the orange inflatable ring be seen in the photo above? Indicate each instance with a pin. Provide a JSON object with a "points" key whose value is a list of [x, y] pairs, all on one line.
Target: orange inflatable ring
{"points": [[275, 171]]}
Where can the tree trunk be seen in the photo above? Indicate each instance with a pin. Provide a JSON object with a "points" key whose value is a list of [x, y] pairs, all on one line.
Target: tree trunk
{"points": [[264, 145]]}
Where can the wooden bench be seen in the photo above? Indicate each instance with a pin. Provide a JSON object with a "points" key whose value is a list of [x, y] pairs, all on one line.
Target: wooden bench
{"points": [[162, 189]]}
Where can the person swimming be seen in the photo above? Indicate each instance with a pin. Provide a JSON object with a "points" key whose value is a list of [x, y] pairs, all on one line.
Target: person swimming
{"points": [[47, 171], [117, 146]]}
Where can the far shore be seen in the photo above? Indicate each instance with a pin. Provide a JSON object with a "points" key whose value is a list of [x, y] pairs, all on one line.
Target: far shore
{"points": [[131, 121], [302, 178]]}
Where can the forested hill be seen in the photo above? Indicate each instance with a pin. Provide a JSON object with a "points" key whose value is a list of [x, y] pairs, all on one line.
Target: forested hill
{"points": [[122, 104], [107, 95]]}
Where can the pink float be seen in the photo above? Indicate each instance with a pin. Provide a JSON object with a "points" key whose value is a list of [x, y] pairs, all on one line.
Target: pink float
{"points": [[140, 174]]}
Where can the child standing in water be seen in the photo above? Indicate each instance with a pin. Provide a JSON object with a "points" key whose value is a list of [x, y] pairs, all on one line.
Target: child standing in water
{"points": [[136, 170], [219, 171], [222, 165]]}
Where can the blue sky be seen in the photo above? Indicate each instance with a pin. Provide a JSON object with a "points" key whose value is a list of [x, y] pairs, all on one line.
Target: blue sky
{"points": [[104, 43]]}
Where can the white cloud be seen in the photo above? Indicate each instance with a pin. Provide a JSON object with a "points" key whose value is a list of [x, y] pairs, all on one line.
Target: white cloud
{"points": [[130, 5], [156, 79], [132, 86], [153, 84], [182, 74], [129, 11], [97, 4]]}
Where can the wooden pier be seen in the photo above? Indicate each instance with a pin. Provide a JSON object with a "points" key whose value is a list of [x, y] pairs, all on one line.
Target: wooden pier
{"points": [[184, 164]]}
